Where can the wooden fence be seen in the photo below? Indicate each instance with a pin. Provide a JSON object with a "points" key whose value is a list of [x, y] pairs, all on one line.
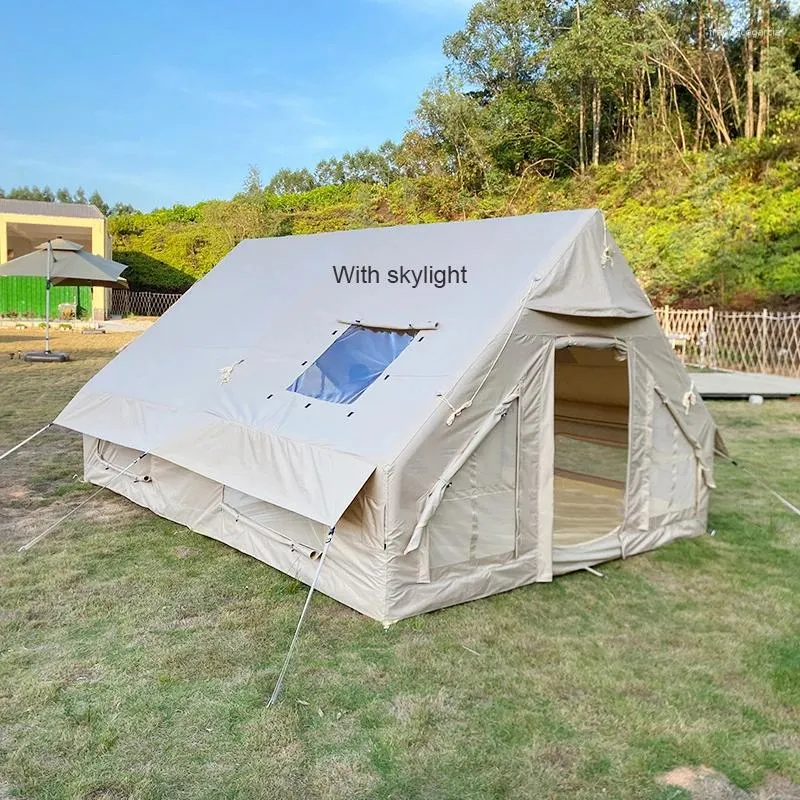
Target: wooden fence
{"points": [[750, 341], [141, 304]]}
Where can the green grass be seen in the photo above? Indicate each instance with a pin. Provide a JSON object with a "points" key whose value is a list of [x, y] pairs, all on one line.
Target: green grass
{"points": [[136, 658]]}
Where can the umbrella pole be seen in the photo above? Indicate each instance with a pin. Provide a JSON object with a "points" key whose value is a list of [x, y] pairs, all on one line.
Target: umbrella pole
{"points": [[47, 298]]}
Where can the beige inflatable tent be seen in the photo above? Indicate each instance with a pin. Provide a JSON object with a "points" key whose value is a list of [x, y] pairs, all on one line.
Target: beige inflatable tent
{"points": [[474, 406]]}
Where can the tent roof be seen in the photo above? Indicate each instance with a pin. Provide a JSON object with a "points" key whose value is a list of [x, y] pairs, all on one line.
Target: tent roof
{"points": [[272, 306]]}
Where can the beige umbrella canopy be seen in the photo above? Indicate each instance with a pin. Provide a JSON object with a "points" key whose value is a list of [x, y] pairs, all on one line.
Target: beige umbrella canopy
{"points": [[63, 263]]}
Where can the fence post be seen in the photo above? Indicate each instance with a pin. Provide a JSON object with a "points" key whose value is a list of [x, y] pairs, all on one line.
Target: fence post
{"points": [[764, 340], [666, 320], [712, 339]]}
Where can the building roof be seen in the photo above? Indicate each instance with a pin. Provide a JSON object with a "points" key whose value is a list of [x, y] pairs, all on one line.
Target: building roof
{"points": [[47, 209]]}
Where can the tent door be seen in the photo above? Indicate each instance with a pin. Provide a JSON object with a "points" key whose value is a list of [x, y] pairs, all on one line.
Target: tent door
{"points": [[591, 443]]}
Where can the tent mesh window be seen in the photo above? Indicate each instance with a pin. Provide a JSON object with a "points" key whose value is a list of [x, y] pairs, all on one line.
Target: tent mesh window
{"points": [[354, 361]]}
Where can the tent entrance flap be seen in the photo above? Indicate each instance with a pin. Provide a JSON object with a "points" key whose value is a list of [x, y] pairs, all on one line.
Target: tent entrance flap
{"points": [[590, 462]]}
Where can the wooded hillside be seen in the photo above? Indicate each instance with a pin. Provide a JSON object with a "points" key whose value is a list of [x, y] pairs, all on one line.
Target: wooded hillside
{"points": [[721, 227], [679, 118]]}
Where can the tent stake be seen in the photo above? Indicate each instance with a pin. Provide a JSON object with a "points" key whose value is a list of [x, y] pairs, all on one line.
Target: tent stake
{"points": [[279, 684], [595, 572]]}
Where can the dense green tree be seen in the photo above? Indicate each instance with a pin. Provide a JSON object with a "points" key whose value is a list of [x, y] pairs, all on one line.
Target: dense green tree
{"points": [[291, 181], [119, 209], [97, 201], [503, 44]]}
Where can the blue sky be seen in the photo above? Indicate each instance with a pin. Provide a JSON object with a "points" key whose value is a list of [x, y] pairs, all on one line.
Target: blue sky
{"points": [[169, 101]]}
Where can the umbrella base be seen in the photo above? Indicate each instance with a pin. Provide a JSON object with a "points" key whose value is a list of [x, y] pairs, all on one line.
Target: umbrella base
{"points": [[42, 356]]}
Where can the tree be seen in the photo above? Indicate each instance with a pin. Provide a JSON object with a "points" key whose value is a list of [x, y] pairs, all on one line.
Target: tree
{"points": [[289, 181], [240, 218], [329, 172], [362, 166], [97, 201], [456, 123], [503, 44], [120, 209], [252, 186]]}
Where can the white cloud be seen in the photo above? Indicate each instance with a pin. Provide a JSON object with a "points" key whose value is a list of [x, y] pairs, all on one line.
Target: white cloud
{"points": [[298, 107]]}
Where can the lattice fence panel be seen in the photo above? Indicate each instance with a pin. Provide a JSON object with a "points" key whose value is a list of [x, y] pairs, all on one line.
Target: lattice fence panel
{"points": [[688, 330], [749, 341], [141, 304], [756, 342]]}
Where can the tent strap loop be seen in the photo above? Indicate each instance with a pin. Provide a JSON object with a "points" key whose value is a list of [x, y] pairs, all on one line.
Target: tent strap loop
{"points": [[292, 646], [25, 441]]}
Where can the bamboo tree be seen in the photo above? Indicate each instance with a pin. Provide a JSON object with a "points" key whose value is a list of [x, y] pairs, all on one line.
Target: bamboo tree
{"points": [[581, 103], [749, 59], [763, 70], [596, 114], [701, 42]]}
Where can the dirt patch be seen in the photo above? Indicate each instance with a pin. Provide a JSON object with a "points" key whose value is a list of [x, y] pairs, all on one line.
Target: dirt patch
{"points": [[560, 757], [704, 783], [185, 552], [778, 788], [782, 741], [78, 674], [344, 776], [20, 524]]}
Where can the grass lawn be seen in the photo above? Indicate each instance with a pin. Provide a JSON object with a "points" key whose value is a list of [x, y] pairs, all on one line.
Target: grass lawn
{"points": [[136, 657]]}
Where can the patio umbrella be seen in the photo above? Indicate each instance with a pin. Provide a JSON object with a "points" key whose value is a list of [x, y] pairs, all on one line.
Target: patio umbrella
{"points": [[63, 263]]}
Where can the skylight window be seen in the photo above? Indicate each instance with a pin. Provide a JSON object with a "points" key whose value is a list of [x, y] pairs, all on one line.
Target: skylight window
{"points": [[354, 361]]}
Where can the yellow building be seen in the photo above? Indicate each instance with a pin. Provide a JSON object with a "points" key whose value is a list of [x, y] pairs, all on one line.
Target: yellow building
{"points": [[24, 224]]}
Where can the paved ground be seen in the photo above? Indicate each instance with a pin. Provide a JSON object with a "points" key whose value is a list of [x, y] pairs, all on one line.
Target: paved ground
{"points": [[120, 325], [127, 325], [744, 384]]}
